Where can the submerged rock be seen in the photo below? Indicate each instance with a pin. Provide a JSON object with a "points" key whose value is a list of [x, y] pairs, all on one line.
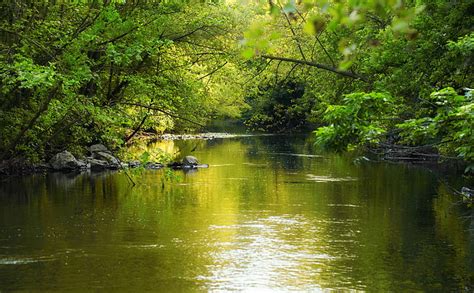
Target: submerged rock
{"points": [[360, 160], [153, 166], [66, 161], [190, 161], [134, 164], [199, 166], [175, 165], [113, 162], [98, 164], [467, 192]]}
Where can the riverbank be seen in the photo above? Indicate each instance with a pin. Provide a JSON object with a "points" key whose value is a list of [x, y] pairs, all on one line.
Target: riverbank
{"points": [[202, 136], [99, 158], [98, 161]]}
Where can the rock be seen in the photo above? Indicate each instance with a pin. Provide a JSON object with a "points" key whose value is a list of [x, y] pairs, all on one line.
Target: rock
{"points": [[66, 161], [134, 164], [102, 158], [95, 148], [153, 166], [195, 166], [83, 164], [181, 166], [360, 160], [190, 161], [98, 164], [203, 136], [42, 167], [467, 192], [113, 162], [175, 165]]}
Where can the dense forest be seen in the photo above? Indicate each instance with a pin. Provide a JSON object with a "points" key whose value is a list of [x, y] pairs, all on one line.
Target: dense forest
{"points": [[388, 76]]}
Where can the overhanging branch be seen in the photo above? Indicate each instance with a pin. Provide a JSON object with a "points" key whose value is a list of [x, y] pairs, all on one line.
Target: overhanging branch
{"points": [[317, 65], [162, 111]]}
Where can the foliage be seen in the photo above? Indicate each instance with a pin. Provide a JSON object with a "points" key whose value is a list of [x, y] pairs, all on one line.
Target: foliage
{"points": [[447, 124], [76, 73], [362, 119], [278, 108], [360, 49], [362, 71]]}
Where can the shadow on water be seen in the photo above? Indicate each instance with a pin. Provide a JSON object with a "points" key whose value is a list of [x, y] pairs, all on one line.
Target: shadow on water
{"points": [[270, 213]]}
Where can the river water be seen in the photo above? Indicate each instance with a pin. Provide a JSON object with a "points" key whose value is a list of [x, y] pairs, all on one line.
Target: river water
{"points": [[269, 214]]}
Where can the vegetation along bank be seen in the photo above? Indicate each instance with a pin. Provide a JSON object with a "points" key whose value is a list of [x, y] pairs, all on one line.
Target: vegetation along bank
{"points": [[391, 77]]}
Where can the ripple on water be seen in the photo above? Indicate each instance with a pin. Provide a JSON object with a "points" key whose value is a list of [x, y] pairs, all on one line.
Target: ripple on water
{"points": [[255, 164], [296, 155], [24, 260], [316, 178], [143, 246], [345, 205], [30, 259]]}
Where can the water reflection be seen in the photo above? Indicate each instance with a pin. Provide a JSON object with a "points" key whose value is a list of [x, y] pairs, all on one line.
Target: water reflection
{"points": [[269, 214], [272, 253]]}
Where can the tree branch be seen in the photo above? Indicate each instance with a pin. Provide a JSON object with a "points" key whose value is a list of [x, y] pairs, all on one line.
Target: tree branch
{"points": [[318, 65], [20, 136], [162, 111], [127, 32], [43, 48], [319, 42], [190, 33], [213, 71], [136, 129], [82, 27], [258, 72], [295, 37]]}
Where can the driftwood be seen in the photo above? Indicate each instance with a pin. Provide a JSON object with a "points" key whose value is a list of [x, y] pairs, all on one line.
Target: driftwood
{"points": [[393, 152]]}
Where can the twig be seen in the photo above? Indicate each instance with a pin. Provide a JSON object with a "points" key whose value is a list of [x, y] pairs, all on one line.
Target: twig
{"points": [[213, 71], [162, 111], [137, 128]]}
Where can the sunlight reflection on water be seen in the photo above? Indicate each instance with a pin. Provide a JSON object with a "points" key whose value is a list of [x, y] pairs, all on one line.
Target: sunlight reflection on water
{"points": [[268, 254]]}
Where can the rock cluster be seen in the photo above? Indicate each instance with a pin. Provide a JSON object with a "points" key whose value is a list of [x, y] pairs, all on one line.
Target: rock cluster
{"points": [[153, 165], [203, 136], [100, 158], [188, 162], [66, 161]]}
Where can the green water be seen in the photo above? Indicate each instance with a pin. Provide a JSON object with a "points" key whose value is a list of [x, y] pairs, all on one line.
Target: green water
{"points": [[269, 214]]}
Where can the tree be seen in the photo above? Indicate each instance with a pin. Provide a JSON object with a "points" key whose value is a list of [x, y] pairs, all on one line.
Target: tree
{"points": [[347, 53], [75, 73]]}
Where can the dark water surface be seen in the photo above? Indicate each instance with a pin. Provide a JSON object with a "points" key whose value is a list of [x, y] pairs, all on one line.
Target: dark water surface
{"points": [[269, 214]]}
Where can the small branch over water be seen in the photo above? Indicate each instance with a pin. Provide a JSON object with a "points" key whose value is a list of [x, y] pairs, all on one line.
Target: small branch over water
{"points": [[151, 107], [317, 65]]}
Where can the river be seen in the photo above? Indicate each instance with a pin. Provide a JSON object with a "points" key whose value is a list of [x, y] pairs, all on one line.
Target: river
{"points": [[269, 214]]}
